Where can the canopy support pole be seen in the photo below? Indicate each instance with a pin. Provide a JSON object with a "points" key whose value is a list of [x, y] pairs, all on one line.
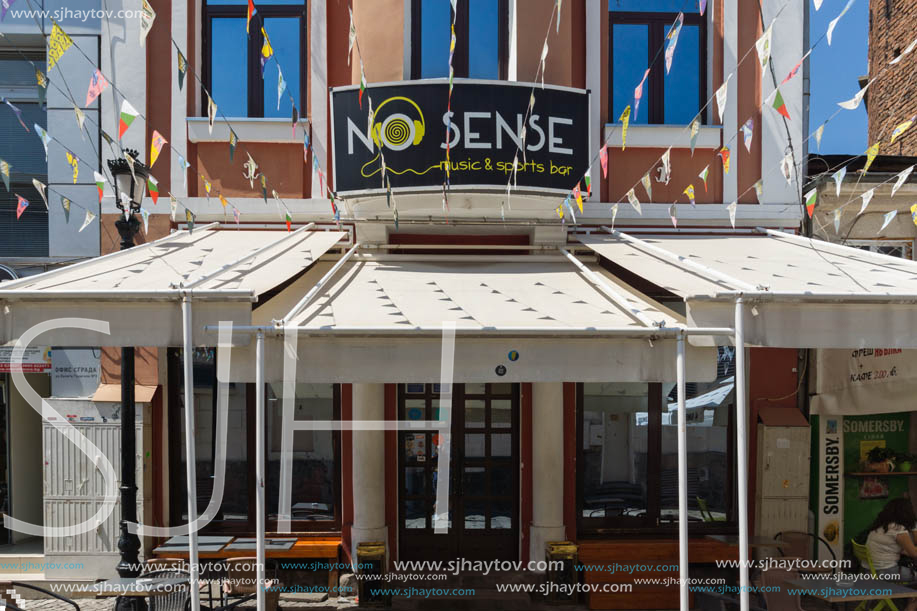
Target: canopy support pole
{"points": [[742, 450], [682, 477], [259, 465], [190, 458]]}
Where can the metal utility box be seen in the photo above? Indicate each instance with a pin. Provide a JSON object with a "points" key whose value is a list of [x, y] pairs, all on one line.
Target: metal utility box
{"points": [[371, 565], [782, 495], [561, 581]]}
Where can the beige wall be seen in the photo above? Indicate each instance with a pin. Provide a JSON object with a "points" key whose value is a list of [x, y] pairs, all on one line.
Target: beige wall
{"points": [[380, 33], [25, 453]]}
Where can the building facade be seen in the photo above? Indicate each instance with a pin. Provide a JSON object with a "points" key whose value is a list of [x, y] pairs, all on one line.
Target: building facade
{"points": [[254, 140]]}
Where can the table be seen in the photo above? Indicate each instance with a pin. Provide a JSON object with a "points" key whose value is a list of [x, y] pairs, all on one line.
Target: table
{"points": [[845, 591], [251, 544], [752, 541], [137, 586], [208, 546]]}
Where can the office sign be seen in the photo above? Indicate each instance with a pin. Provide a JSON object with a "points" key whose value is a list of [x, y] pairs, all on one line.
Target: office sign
{"points": [[35, 359], [487, 124]]}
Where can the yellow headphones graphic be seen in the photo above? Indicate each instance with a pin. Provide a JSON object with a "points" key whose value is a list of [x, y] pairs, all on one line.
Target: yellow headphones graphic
{"points": [[398, 131]]}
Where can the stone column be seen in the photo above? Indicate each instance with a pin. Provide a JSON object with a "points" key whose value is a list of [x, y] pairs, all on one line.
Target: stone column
{"points": [[547, 466], [368, 468]]}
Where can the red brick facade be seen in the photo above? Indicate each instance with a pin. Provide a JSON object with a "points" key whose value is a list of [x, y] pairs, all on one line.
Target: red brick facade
{"points": [[891, 99]]}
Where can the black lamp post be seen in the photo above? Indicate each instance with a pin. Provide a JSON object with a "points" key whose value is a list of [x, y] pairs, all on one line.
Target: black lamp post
{"points": [[130, 187]]}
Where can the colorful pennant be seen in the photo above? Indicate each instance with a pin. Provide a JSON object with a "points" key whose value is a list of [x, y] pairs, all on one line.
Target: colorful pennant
{"points": [[866, 197], [779, 105], [147, 17], [21, 204], [153, 185], [887, 219], [211, 113], [97, 84], [834, 21], [156, 143], [902, 178], [732, 213], [65, 204], [763, 46], [724, 155], [838, 178], [45, 138], [647, 186], [42, 84], [638, 93], [914, 213], [634, 202], [748, 133], [901, 128], [182, 69], [233, 141], [722, 95], [190, 217], [871, 154], [810, 198], [672, 41], [58, 43], [603, 159], [74, 165], [86, 221], [625, 120], [5, 174], [42, 189], [578, 196], [100, 184], [673, 215], [128, 114], [352, 36], [689, 191], [837, 220], [703, 176], [854, 102], [695, 129]]}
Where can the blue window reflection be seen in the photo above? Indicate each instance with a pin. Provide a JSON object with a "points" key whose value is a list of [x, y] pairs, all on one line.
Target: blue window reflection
{"points": [[631, 48], [477, 55], [228, 47], [682, 83], [484, 43], [436, 19], [284, 33], [654, 6]]}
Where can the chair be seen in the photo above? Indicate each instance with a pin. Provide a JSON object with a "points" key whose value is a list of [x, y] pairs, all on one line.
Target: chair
{"points": [[242, 580], [178, 598], [776, 594], [861, 552], [798, 544], [20, 585], [705, 512]]}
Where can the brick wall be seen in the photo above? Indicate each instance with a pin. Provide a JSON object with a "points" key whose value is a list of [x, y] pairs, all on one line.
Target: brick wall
{"points": [[893, 98]]}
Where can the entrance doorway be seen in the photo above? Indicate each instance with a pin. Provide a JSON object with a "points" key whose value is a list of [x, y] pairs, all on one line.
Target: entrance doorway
{"points": [[484, 474]]}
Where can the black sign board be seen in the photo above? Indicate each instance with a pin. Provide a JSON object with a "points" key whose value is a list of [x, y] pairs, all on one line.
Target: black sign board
{"points": [[409, 124]]}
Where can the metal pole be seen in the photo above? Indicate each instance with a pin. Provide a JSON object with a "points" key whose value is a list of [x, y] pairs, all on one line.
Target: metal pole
{"points": [[190, 457], [742, 452], [259, 464], [682, 477]]}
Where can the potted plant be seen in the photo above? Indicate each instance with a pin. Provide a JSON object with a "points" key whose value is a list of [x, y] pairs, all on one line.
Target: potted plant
{"points": [[904, 461], [880, 460]]}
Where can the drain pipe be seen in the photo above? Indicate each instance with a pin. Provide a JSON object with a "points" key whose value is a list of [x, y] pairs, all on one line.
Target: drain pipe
{"points": [[742, 449]]}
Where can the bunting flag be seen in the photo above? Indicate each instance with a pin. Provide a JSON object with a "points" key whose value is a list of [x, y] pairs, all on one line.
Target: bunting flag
{"points": [[184, 165], [887, 219], [689, 191], [288, 219], [267, 51], [189, 216], [264, 188], [97, 84], [837, 221], [58, 43], [703, 175], [638, 93], [786, 167], [647, 186], [724, 155], [614, 214], [100, 184], [901, 128], [817, 4], [665, 173], [128, 114], [182, 69], [107, 138], [603, 159], [42, 189], [795, 68], [902, 178], [145, 215], [625, 120], [281, 86], [236, 215], [569, 207], [811, 198], [909, 48], [634, 202], [834, 21], [838, 179], [352, 36], [80, 118], [42, 84], [147, 17], [233, 141], [65, 204], [544, 58], [223, 202], [363, 83], [173, 207], [673, 215], [748, 133], [211, 113], [866, 197], [914, 213], [45, 138], [74, 165], [156, 144], [207, 186], [5, 174], [818, 134], [871, 154], [587, 180], [759, 189], [4, 7], [130, 164], [722, 94], [732, 213], [695, 129], [578, 196], [702, 5], [17, 112], [672, 41], [249, 13], [559, 4], [854, 102], [87, 220], [153, 185], [21, 205], [763, 46], [779, 105]]}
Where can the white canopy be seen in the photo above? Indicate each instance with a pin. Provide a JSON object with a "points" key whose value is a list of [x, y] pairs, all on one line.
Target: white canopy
{"points": [[800, 292]]}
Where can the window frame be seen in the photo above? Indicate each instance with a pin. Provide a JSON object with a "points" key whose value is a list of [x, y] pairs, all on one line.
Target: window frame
{"points": [[658, 25], [255, 85], [460, 62], [650, 523]]}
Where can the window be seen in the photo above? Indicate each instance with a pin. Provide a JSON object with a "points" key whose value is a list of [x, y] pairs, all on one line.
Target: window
{"points": [[481, 39], [638, 30], [28, 235], [233, 72], [628, 451], [903, 249]]}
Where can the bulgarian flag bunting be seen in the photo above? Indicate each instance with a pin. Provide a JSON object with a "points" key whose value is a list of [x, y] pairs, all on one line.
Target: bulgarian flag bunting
{"points": [[153, 185], [811, 196], [288, 218], [779, 105], [362, 83], [252, 11], [588, 180], [128, 114], [100, 183], [578, 196]]}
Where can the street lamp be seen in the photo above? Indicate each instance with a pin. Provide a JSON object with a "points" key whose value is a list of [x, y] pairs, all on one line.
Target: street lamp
{"points": [[130, 187]]}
